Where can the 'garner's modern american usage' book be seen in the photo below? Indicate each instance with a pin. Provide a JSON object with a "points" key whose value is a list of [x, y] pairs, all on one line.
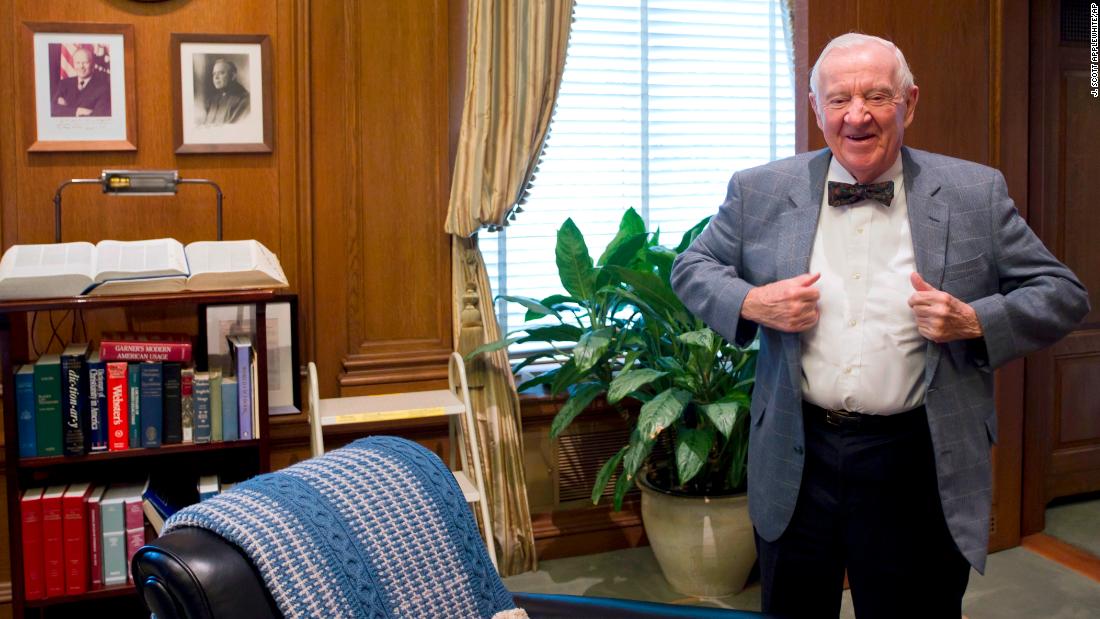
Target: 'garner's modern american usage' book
{"points": [[136, 267]]}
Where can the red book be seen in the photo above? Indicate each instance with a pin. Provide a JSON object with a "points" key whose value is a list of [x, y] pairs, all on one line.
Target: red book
{"points": [[118, 407], [53, 545], [34, 583], [75, 530], [134, 518], [114, 346], [95, 535]]}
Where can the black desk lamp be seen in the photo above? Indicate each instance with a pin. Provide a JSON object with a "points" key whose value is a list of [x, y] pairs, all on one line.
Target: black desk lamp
{"points": [[134, 183]]}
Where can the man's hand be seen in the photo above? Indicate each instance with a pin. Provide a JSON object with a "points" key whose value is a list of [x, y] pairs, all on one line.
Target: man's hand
{"points": [[83, 111], [787, 305], [62, 101], [941, 317]]}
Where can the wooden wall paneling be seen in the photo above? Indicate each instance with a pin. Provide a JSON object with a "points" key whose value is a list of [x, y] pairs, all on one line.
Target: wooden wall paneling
{"points": [[381, 183], [972, 75]]}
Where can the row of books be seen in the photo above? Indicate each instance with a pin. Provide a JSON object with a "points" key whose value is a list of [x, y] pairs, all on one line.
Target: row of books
{"points": [[81, 537], [133, 392]]}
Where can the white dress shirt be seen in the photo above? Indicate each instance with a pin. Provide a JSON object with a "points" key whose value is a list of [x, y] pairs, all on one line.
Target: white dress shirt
{"points": [[865, 353]]}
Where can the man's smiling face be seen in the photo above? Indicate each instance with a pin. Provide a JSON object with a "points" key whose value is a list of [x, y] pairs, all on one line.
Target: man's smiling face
{"points": [[860, 109]]}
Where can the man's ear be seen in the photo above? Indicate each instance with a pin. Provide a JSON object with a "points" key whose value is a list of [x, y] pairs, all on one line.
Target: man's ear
{"points": [[817, 111], [911, 105]]}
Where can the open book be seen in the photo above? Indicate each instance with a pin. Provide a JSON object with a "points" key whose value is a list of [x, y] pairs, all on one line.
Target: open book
{"points": [[136, 267]]}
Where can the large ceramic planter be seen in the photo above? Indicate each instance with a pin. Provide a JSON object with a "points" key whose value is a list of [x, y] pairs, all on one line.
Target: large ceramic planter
{"points": [[704, 545]]}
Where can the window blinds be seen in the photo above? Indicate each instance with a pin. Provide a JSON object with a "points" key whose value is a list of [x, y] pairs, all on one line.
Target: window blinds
{"points": [[661, 101]]}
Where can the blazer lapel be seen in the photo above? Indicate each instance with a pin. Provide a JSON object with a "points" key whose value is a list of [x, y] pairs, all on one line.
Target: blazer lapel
{"points": [[928, 218], [798, 225]]}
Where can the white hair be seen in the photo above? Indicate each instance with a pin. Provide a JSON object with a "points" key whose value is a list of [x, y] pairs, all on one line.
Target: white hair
{"points": [[903, 77]]}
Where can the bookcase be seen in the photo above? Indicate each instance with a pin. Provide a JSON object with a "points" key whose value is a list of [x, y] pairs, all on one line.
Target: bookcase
{"points": [[234, 459]]}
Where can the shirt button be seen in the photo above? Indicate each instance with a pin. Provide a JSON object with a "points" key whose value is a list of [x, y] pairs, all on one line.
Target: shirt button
{"points": [[856, 276], [851, 323], [848, 370], [798, 449], [859, 230]]}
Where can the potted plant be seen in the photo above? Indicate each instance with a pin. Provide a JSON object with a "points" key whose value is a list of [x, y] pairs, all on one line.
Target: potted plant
{"points": [[620, 332]]}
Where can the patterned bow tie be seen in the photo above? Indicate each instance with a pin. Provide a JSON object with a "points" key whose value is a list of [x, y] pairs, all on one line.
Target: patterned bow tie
{"points": [[842, 194]]}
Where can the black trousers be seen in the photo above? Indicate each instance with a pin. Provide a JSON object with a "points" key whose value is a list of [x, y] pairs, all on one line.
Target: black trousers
{"points": [[868, 504]]}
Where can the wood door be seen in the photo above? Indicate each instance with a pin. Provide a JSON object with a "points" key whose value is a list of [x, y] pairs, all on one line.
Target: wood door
{"points": [[1062, 418]]}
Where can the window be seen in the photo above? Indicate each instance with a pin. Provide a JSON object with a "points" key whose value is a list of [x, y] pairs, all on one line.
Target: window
{"points": [[661, 101]]}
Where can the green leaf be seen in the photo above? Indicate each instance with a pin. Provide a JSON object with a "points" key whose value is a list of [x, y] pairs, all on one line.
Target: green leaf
{"points": [[491, 346], [703, 338], [692, 234], [555, 302], [661, 412], [553, 333], [590, 348], [692, 448], [635, 456], [581, 396], [662, 258], [575, 269], [623, 251], [723, 415], [533, 306], [545, 378], [630, 225], [606, 471], [566, 377], [656, 293], [622, 486], [629, 381]]}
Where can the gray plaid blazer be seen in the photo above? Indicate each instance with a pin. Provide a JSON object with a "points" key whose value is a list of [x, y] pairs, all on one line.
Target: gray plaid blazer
{"points": [[969, 241]]}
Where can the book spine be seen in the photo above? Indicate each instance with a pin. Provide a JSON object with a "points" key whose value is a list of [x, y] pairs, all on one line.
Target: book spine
{"points": [[114, 543], [243, 359], [135, 529], [74, 404], [118, 406], [34, 581], [97, 405], [216, 433], [180, 352], [47, 395], [76, 545], [230, 420], [95, 543], [152, 403], [173, 419], [187, 404], [133, 383], [201, 393], [24, 407], [53, 545]]}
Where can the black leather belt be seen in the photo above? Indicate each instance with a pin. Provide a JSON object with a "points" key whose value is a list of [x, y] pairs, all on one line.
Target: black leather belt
{"points": [[862, 421]]}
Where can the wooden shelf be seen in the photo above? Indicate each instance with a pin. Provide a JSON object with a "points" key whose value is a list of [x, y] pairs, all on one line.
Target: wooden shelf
{"points": [[176, 298], [97, 594], [137, 454]]}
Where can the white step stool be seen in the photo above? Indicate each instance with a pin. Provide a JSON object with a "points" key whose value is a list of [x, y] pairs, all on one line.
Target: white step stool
{"points": [[451, 402]]}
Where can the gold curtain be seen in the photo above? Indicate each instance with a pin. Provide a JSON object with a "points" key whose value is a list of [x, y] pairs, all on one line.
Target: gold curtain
{"points": [[514, 61]]}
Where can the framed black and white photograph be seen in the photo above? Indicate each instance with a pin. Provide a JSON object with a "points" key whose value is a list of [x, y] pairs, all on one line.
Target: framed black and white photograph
{"points": [[83, 93], [222, 93], [283, 382]]}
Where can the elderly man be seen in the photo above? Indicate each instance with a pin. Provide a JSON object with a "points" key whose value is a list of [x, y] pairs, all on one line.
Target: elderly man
{"points": [[84, 94], [886, 284], [229, 102]]}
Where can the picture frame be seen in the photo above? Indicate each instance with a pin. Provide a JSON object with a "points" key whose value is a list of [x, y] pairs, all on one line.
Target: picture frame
{"points": [[78, 88], [284, 389], [221, 93]]}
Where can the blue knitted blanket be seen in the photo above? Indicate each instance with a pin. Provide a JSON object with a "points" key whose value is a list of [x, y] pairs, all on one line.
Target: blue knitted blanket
{"points": [[377, 529]]}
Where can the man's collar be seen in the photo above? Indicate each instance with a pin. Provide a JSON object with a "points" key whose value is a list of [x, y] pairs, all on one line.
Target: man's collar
{"points": [[838, 173]]}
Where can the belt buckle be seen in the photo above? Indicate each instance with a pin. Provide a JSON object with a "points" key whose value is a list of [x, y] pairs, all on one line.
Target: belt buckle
{"points": [[840, 418]]}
